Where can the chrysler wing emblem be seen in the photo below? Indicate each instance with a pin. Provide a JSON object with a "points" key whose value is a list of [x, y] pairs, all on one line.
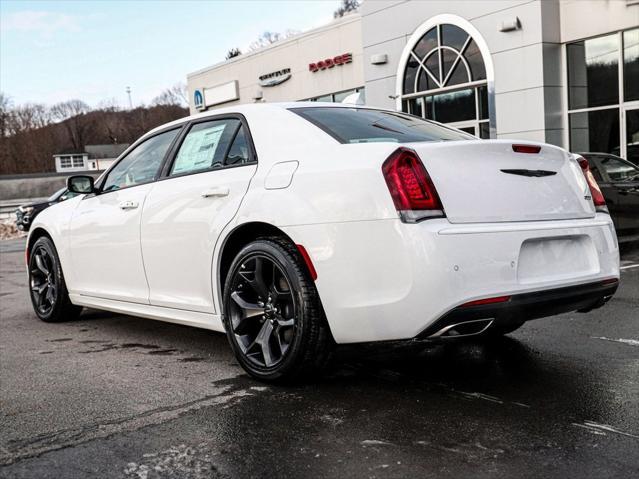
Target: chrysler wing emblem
{"points": [[535, 173]]}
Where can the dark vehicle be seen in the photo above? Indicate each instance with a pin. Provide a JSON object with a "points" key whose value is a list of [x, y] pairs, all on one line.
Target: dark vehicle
{"points": [[27, 213], [619, 183]]}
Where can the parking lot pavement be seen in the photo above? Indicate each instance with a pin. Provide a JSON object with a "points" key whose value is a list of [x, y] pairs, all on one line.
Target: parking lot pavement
{"points": [[115, 396]]}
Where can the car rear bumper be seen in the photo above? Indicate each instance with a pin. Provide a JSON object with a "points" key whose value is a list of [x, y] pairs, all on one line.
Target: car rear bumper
{"points": [[387, 280], [466, 320]]}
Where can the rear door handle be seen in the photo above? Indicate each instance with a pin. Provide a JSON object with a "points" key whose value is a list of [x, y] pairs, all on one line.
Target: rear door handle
{"points": [[128, 205], [217, 191]]}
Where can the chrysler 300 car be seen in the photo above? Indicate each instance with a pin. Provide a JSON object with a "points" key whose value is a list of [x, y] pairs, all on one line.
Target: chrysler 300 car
{"points": [[293, 227]]}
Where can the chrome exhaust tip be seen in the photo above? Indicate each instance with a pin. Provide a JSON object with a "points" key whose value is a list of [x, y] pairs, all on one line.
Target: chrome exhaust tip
{"points": [[463, 329]]}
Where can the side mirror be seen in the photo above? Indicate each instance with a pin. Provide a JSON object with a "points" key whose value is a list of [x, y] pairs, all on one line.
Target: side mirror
{"points": [[81, 184]]}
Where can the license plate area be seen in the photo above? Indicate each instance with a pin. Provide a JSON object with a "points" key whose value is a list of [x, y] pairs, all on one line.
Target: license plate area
{"points": [[557, 258]]}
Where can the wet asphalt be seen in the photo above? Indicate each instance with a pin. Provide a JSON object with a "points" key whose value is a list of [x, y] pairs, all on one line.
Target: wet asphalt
{"points": [[115, 396]]}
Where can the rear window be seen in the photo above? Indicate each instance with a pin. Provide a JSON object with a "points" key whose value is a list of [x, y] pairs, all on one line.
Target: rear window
{"points": [[362, 125]]}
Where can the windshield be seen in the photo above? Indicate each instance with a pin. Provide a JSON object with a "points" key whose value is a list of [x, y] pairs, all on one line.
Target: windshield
{"points": [[55, 196], [362, 125]]}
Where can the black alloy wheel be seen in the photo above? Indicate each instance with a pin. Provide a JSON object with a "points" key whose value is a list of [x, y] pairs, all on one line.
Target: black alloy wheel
{"points": [[272, 313], [48, 290], [43, 281], [262, 310]]}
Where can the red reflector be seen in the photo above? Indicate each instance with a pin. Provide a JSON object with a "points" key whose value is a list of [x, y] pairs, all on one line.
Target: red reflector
{"points": [[610, 281], [307, 260], [526, 148], [597, 196], [409, 183], [480, 302]]}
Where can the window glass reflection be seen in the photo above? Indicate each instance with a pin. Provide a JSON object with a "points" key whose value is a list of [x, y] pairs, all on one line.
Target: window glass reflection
{"points": [[595, 131], [451, 107], [631, 65], [593, 67]]}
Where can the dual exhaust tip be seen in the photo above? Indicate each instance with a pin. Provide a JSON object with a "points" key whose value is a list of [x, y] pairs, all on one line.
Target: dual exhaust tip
{"points": [[463, 329]]}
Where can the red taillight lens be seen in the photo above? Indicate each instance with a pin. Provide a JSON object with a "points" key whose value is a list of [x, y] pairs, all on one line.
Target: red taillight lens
{"points": [[307, 259], [410, 186], [481, 302], [526, 148], [597, 196]]}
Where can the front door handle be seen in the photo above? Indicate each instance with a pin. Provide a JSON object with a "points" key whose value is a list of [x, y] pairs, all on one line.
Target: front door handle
{"points": [[128, 205], [217, 191]]}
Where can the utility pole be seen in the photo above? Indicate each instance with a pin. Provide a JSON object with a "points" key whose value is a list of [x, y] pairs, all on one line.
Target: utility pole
{"points": [[128, 92]]}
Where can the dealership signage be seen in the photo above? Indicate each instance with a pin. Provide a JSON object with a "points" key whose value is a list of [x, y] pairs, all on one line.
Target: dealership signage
{"points": [[275, 78], [198, 99], [339, 60], [206, 97]]}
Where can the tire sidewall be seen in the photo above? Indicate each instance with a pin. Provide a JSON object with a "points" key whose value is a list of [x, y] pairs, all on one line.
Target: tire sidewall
{"points": [[277, 254], [61, 290]]}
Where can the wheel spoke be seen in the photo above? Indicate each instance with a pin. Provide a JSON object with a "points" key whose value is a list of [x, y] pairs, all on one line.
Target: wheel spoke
{"points": [[248, 309], [262, 339], [259, 284], [40, 263], [42, 295], [50, 295], [286, 323]]}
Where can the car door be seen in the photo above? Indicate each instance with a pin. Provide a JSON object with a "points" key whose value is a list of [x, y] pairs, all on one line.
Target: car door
{"points": [[105, 227], [186, 210]]}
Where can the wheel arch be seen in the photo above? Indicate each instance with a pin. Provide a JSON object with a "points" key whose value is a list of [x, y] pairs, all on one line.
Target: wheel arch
{"points": [[237, 239], [34, 235]]}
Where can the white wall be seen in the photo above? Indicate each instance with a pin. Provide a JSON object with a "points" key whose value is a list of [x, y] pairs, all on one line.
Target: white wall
{"points": [[528, 67], [341, 36]]}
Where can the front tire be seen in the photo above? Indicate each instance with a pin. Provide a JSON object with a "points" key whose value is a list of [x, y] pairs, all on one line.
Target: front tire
{"points": [[48, 291], [273, 315]]}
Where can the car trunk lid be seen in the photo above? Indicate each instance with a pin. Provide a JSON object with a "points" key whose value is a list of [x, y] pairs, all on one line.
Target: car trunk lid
{"points": [[488, 181]]}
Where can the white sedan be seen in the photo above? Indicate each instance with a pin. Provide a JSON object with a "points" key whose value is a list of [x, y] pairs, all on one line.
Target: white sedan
{"points": [[293, 227]]}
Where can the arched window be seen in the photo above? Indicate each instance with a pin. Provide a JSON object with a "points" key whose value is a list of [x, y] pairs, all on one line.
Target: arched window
{"points": [[444, 79]]}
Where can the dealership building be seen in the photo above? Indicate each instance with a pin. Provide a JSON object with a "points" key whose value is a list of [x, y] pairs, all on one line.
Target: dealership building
{"points": [[561, 71]]}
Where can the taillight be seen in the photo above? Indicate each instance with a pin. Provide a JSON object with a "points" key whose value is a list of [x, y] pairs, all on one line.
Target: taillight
{"points": [[411, 188], [526, 148], [597, 196], [482, 302]]}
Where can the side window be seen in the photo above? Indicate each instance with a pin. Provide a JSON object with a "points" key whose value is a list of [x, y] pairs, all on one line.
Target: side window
{"points": [[142, 164], [619, 170], [239, 152], [205, 146]]}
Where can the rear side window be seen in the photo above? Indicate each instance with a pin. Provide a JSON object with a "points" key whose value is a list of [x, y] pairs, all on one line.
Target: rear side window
{"points": [[362, 125], [210, 145]]}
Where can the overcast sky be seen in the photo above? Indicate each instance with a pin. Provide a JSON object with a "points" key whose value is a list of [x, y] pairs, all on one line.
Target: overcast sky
{"points": [[52, 51]]}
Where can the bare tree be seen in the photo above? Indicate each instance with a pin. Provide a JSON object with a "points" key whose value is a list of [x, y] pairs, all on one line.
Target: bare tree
{"points": [[108, 104], [73, 115], [347, 6], [267, 38], [29, 117], [5, 115], [175, 95], [232, 53]]}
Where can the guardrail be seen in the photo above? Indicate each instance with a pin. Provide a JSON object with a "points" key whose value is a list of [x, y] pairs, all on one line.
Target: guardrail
{"points": [[8, 207]]}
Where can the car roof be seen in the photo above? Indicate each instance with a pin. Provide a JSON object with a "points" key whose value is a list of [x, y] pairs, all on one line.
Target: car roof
{"points": [[247, 108]]}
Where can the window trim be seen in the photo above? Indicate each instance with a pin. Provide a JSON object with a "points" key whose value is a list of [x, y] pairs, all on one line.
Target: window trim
{"points": [[168, 162], [140, 141], [470, 29], [300, 112], [621, 104]]}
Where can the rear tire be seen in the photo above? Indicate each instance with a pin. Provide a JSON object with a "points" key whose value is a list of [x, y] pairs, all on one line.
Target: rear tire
{"points": [[48, 291], [273, 315]]}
